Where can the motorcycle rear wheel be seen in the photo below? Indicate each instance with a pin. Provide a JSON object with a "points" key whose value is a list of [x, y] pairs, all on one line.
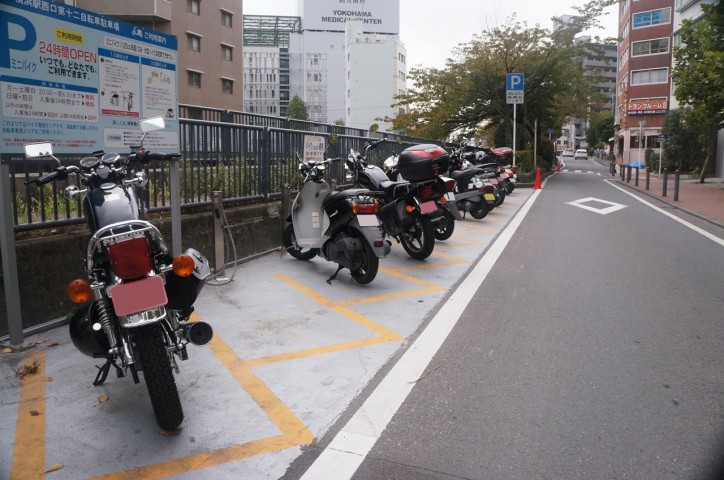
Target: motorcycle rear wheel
{"points": [[368, 272], [443, 233], [419, 239], [501, 197], [290, 245], [158, 375]]}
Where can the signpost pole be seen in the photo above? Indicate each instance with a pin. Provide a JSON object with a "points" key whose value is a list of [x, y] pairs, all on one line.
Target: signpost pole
{"points": [[515, 124]]}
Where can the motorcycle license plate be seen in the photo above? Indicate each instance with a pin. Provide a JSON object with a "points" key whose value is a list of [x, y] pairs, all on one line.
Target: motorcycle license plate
{"points": [[428, 207], [138, 296], [367, 220], [494, 181], [489, 197]]}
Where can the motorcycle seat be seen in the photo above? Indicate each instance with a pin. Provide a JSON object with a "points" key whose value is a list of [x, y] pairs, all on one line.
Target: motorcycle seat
{"points": [[462, 175], [391, 189]]}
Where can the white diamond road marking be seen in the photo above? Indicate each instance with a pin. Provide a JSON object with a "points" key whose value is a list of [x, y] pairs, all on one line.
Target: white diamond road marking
{"points": [[603, 211]]}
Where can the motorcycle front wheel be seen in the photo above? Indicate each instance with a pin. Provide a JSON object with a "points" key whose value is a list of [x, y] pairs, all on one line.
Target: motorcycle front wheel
{"points": [[368, 272], [157, 372], [419, 239], [290, 245], [445, 232]]}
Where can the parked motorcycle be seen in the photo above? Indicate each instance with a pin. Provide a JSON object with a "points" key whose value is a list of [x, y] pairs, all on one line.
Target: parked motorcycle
{"points": [[410, 212], [474, 191], [342, 227], [134, 306]]}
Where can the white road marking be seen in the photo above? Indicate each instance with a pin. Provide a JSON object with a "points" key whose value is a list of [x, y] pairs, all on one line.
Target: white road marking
{"points": [[698, 230], [348, 449], [613, 207]]}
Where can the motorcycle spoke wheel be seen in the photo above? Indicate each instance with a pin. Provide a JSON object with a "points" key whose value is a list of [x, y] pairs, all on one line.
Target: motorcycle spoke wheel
{"points": [[290, 245], [419, 240], [443, 233], [157, 373]]}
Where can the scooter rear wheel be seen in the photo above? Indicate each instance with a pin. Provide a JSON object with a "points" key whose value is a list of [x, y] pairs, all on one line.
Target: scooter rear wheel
{"points": [[368, 272], [480, 211], [290, 245], [419, 239], [443, 233]]}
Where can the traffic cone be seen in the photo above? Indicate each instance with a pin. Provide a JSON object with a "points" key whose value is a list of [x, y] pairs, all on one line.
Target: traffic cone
{"points": [[537, 185], [558, 167]]}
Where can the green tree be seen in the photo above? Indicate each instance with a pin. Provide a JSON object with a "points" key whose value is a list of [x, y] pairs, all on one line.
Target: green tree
{"points": [[698, 74], [469, 93], [682, 149], [600, 129], [297, 109]]}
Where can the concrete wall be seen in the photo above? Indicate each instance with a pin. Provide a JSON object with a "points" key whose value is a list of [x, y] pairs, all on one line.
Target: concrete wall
{"points": [[46, 264]]}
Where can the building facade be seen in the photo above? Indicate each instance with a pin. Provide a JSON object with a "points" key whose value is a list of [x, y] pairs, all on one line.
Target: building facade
{"points": [[643, 93], [209, 36]]}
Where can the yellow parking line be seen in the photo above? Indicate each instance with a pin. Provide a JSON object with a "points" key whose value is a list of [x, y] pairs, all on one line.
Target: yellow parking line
{"points": [[29, 446]]}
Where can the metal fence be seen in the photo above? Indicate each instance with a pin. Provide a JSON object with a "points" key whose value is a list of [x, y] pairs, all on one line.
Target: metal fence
{"points": [[248, 157]]}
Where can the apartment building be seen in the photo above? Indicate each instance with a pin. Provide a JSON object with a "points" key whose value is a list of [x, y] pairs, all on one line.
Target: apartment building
{"points": [[643, 93], [209, 32]]}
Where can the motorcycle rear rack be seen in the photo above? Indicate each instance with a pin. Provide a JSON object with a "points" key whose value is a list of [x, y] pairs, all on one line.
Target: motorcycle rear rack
{"points": [[118, 232]]}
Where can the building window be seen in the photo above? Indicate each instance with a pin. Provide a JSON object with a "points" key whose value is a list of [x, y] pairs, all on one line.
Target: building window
{"points": [[227, 52], [227, 18], [625, 30], [623, 59], [194, 79], [653, 17], [193, 42], [650, 47], [227, 86], [193, 6], [655, 75]]}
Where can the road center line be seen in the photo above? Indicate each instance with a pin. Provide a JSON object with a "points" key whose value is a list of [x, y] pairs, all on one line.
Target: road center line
{"points": [[348, 449]]}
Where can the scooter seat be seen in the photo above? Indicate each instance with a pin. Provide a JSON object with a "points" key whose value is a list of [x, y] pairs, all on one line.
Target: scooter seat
{"points": [[338, 195], [462, 175]]}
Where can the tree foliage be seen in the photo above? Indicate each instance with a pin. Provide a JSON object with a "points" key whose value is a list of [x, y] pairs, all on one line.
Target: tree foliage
{"points": [[698, 74], [600, 129], [297, 109], [470, 91], [683, 149]]}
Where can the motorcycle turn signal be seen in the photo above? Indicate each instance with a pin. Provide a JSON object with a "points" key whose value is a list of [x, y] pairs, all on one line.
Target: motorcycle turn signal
{"points": [[183, 265], [78, 291]]}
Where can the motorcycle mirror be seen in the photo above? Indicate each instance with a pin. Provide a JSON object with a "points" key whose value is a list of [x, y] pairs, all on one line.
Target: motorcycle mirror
{"points": [[152, 124], [38, 150], [374, 127]]}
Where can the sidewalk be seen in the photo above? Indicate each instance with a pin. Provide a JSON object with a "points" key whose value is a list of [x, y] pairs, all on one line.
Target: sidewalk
{"points": [[705, 200]]}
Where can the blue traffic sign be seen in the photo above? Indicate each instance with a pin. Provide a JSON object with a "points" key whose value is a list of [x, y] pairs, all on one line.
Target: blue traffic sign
{"points": [[514, 81]]}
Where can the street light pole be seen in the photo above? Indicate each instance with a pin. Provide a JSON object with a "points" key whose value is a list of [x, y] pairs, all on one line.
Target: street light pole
{"points": [[641, 138]]}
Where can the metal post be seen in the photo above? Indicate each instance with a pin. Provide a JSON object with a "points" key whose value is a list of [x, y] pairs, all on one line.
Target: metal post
{"points": [[10, 266], [515, 122], [265, 146], [175, 187], [677, 174], [219, 258], [628, 173], [666, 179], [636, 180], [648, 177]]}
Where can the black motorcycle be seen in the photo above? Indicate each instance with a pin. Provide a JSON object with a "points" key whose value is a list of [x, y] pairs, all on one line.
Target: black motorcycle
{"points": [[475, 189], [134, 306], [410, 212]]}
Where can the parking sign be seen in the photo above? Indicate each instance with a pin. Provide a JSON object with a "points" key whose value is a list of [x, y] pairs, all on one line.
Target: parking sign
{"points": [[514, 88]]}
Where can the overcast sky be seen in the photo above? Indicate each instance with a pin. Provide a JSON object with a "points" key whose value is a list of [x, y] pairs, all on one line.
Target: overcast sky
{"points": [[430, 29]]}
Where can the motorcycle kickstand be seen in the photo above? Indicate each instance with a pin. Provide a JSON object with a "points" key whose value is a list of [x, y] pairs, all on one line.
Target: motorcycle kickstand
{"points": [[334, 276], [103, 371]]}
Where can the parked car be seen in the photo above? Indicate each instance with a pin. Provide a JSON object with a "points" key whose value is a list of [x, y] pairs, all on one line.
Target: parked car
{"points": [[581, 153], [567, 153]]}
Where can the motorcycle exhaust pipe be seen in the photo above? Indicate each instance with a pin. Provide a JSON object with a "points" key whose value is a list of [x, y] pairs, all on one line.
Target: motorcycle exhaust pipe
{"points": [[199, 333]]}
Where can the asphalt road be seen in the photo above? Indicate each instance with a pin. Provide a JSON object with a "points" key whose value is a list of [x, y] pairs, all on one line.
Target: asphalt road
{"points": [[593, 349]]}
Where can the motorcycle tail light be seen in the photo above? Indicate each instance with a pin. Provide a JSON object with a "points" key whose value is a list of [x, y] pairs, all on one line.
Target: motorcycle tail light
{"points": [[183, 265], [450, 185], [409, 208], [488, 189], [78, 291], [366, 207], [131, 258], [426, 193]]}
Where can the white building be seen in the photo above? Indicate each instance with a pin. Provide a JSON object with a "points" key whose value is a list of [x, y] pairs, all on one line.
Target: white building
{"points": [[349, 76]]}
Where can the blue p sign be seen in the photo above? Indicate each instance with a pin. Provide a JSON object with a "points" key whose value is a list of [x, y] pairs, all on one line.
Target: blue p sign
{"points": [[16, 33], [514, 81]]}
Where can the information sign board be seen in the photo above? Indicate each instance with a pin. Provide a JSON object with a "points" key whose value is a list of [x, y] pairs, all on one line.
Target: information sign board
{"points": [[82, 81], [313, 148]]}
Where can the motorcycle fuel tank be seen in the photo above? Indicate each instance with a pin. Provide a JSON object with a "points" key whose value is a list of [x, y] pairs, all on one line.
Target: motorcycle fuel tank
{"points": [[110, 204]]}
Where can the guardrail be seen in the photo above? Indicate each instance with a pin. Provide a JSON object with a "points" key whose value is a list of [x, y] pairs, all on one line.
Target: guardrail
{"points": [[248, 162]]}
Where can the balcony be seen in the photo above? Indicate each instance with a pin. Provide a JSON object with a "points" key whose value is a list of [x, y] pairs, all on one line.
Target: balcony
{"points": [[133, 11]]}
